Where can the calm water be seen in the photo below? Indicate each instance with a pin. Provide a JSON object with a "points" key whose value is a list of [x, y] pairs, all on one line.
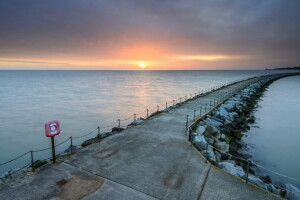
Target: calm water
{"points": [[83, 100], [274, 142]]}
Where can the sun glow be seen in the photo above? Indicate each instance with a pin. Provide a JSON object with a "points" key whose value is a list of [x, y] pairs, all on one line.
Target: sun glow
{"points": [[142, 65]]}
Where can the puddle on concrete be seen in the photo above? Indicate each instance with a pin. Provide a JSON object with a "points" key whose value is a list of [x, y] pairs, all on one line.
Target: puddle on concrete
{"points": [[173, 181], [78, 187], [105, 154]]}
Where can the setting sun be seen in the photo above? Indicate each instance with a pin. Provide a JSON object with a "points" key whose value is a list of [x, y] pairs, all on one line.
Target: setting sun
{"points": [[142, 65]]}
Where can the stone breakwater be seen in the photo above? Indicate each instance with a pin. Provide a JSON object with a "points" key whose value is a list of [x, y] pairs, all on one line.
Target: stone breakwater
{"points": [[218, 137]]}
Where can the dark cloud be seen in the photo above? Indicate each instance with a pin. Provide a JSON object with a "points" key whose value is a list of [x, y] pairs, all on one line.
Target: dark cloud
{"points": [[266, 30]]}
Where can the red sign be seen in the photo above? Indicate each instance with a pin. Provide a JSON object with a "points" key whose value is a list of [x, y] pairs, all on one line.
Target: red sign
{"points": [[52, 128]]}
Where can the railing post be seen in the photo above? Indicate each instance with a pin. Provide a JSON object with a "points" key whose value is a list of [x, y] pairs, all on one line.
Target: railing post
{"points": [[194, 115], [187, 124], [134, 117], [119, 126], [147, 113], [200, 111], [247, 172], [98, 133], [206, 153], [31, 154], [71, 145], [173, 102], [157, 108]]}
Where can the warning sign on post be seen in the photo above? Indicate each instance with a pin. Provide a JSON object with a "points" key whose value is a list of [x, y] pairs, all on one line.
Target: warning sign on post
{"points": [[52, 128]]}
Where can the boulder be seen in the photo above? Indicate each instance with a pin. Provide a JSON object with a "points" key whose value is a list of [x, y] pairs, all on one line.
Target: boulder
{"points": [[88, 142], [200, 142], [226, 156], [218, 156], [222, 136], [116, 129], [221, 146], [210, 140], [226, 131], [38, 163], [216, 119], [257, 181], [232, 169], [292, 193], [137, 122], [200, 130], [218, 136], [273, 189], [230, 161], [211, 155], [210, 129]]}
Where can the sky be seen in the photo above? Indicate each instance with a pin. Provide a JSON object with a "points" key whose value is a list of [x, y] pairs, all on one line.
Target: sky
{"points": [[149, 34]]}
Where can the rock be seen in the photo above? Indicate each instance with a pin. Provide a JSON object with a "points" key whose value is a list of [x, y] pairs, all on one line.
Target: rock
{"points": [[200, 142], [210, 129], [200, 130], [292, 193], [218, 156], [221, 146], [222, 136], [251, 119], [218, 136], [213, 122], [137, 122], [210, 140], [230, 161], [232, 169], [87, 143], [225, 156], [38, 163], [216, 119], [226, 131], [117, 129], [257, 181], [266, 179], [273, 189], [210, 154]]}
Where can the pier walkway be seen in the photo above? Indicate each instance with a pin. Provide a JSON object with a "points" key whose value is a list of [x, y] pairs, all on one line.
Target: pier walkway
{"points": [[153, 160]]}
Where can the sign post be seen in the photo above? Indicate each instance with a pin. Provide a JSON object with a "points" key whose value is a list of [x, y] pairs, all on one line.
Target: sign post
{"points": [[52, 129]]}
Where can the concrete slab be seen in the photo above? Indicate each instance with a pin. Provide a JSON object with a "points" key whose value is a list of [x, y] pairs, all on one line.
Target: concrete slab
{"points": [[221, 185]]}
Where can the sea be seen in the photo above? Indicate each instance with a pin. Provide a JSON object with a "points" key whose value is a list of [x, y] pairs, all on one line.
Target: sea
{"points": [[274, 140], [84, 100]]}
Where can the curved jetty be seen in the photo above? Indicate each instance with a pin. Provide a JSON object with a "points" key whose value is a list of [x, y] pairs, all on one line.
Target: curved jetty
{"points": [[153, 160]]}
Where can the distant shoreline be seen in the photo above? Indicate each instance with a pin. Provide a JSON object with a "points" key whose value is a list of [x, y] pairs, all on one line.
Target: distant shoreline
{"points": [[285, 68]]}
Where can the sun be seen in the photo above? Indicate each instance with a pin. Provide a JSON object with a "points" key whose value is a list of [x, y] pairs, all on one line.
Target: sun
{"points": [[142, 65]]}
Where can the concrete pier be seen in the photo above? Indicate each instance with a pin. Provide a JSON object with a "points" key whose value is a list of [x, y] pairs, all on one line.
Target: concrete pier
{"points": [[153, 160]]}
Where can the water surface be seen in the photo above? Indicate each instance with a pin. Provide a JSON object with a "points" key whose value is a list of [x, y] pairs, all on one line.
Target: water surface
{"points": [[274, 141]]}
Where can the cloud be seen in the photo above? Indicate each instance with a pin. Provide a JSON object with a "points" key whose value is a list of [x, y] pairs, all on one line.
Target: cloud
{"points": [[95, 30]]}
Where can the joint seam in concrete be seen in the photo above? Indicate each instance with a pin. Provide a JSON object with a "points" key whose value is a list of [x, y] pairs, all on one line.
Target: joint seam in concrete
{"points": [[204, 182]]}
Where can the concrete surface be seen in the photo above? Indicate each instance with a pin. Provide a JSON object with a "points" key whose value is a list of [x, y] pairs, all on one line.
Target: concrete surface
{"points": [[153, 160]]}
